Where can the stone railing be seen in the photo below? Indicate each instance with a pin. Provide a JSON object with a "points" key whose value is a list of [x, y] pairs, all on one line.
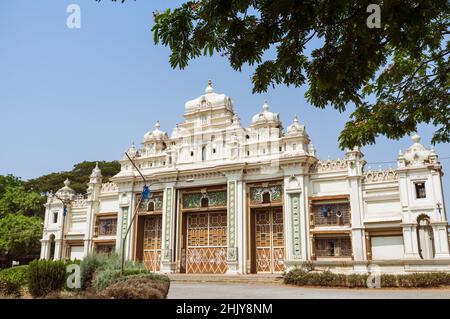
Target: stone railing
{"points": [[380, 176], [329, 165], [109, 188], [80, 201]]}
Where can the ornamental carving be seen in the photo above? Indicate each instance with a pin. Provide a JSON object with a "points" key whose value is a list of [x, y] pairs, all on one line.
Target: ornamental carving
{"points": [[109, 188], [260, 195], [154, 203], [79, 202], [329, 165], [380, 176], [208, 199]]}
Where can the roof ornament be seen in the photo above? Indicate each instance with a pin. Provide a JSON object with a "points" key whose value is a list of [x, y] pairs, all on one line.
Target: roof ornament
{"points": [[416, 138], [209, 88]]}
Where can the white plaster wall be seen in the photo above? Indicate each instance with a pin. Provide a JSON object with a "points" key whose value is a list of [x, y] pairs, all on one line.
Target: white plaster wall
{"points": [[330, 187], [387, 247], [109, 205], [76, 252], [386, 208]]}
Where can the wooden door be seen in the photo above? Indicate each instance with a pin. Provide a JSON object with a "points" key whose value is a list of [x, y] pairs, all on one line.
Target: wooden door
{"points": [[269, 240], [152, 242], [206, 243]]}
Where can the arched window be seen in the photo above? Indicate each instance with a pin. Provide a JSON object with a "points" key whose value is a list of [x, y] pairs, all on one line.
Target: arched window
{"points": [[266, 198], [151, 206], [425, 237], [205, 202], [51, 254], [204, 153]]}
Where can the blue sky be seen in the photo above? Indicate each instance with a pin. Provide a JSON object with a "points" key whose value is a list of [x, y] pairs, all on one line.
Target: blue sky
{"points": [[68, 95]]}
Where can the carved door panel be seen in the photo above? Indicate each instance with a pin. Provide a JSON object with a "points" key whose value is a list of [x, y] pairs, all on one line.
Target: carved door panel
{"points": [[269, 240], [152, 242], [206, 244]]}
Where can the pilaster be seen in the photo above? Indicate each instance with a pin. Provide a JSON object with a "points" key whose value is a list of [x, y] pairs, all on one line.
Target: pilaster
{"points": [[168, 228]]}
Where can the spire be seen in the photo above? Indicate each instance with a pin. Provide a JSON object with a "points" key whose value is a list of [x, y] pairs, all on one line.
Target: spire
{"points": [[209, 88], [96, 172]]}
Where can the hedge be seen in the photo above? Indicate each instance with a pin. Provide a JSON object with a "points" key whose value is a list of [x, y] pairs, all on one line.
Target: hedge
{"points": [[300, 277]]}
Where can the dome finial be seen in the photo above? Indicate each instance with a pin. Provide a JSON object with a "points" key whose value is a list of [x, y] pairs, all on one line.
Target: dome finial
{"points": [[295, 118], [209, 88], [157, 125], [67, 182], [416, 138], [265, 106]]}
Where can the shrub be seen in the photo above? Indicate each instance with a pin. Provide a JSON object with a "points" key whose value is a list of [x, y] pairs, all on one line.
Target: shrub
{"points": [[356, 280], [388, 280], [12, 280], [100, 270], [137, 287], [45, 276], [89, 266], [415, 280]]}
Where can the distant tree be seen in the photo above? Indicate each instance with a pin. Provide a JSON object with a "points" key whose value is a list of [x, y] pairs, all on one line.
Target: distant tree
{"points": [[404, 66], [79, 177], [8, 181], [18, 200], [19, 236]]}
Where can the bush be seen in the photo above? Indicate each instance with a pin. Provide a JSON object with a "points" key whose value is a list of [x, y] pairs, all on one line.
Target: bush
{"points": [[300, 277], [356, 280], [388, 280], [45, 276], [102, 270], [89, 266], [12, 280], [137, 287]]}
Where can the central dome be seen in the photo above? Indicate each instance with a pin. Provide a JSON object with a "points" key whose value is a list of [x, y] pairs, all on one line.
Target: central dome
{"points": [[209, 99]]}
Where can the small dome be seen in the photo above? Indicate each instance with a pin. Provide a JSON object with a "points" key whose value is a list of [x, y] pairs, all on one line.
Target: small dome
{"points": [[265, 115], [295, 128], [156, 134], [132, 151], [66, 192], [417, 154]]}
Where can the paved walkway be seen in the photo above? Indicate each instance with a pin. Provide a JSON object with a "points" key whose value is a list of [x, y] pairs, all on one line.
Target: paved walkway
{"points": [[192, 290]]}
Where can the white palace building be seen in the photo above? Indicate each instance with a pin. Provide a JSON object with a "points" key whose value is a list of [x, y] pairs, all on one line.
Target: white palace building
{"points": [[230, 199]]}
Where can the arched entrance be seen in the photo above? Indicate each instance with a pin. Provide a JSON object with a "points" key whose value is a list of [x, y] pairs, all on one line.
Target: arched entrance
{"points": [[51, 253], [425, 237]]}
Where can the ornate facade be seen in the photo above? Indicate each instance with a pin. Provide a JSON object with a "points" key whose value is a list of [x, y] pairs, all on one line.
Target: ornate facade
{"points": [[230, 199]]}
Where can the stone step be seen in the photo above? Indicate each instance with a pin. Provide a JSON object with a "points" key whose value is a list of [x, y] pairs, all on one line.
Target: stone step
{"points": [[259, 278]]}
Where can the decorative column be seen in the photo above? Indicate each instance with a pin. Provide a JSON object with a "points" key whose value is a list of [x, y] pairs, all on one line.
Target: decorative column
{"points": [[232, 250], [411, 241], [235, 223], [93, 206], [355, 163], [295, 223], [126, 201], [168, 237], [440, 240]]}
